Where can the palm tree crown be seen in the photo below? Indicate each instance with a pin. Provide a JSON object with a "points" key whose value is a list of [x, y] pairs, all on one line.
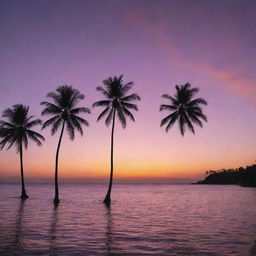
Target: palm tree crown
{"points": [[116, 100], [64, 109], [184, 109], [17, 130]]}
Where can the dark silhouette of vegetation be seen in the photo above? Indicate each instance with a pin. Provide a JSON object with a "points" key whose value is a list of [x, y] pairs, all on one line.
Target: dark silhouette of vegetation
{"points": [[116, 103], [241, 176], [16, 131], [184, 109], [65, 114]]}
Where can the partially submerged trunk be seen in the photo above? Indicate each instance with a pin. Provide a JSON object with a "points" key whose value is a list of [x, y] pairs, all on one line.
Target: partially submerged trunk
{"points": [[56, 198], [23, 191], [107, 199]]}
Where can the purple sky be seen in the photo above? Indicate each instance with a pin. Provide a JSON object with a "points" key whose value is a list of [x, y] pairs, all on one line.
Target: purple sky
{"points": [[156, 44]]}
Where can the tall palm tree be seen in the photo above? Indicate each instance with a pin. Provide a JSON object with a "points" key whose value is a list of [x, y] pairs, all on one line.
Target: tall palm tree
{"points": [[16, 131], [65, 114], [184, 109], [116, 103]]}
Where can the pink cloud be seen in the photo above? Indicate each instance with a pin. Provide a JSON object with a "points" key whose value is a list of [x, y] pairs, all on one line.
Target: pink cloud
{"points": [[232, 81]]}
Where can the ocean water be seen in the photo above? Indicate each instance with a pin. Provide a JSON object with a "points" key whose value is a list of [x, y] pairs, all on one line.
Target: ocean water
{"points": [[143, 220]]}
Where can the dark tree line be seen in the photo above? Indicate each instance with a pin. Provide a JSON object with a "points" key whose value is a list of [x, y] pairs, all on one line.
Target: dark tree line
{"points": [[241, 176]]}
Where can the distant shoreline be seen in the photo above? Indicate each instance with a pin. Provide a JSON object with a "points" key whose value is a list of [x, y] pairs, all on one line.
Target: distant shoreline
{"points": [[98, 183], [245, 177]]}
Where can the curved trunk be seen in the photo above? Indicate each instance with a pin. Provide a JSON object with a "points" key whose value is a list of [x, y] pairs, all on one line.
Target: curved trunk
{"points": [[56, 198], [107, 199], [23, 191]]}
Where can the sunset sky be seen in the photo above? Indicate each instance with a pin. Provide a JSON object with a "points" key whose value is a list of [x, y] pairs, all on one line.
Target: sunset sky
{"points": [[155, 44]]}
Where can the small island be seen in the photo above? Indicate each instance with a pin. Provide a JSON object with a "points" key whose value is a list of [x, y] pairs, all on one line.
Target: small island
{"points": [[240, 176]]}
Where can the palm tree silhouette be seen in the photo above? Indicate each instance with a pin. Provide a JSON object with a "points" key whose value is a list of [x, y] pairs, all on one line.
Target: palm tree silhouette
{"points": [[116, 102], [184, 109], [16, 131], [65, 113]]}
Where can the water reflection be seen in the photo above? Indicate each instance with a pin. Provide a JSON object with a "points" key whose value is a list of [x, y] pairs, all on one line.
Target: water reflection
{"points": [[52, 233], [109, 230], [18, 242], [157, 220], [253, 249]]}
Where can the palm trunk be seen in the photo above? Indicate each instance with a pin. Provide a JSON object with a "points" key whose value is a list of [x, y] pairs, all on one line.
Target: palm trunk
{"points": [[23, 191], [56, 198], [107, 199]]}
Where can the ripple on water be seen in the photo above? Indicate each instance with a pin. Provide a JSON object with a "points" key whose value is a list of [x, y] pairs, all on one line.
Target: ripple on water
{"points": [[143, 220]]}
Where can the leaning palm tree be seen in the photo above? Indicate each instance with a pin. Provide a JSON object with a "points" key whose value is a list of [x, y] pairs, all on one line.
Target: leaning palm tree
{"points": [[65, 114], [184, 109], [116, 103], [16, 131]]}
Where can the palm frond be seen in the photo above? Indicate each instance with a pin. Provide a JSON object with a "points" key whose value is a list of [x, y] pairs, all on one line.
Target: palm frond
{"points": [[188, 123], [197, 102], [193, 91], [167, 107], [77, 125], [55, 98], [25, 140], [76, 97], [36, 134], [50, 121], [188, 110], [130, 105], [198, 114], [182, 124], [50, 108], [103, 113], [71, 130], [8, 113], [16, 132], [80, 120], [104, 92], [14, 138], [64, 110], [6, 124], [167, 118], [195, 119], [109, 117], [117, 101], [131, 97], [172, 120], [101, 103], [7, 138], [17, 115], [35, 137], [80, 110], [173, 100], [55, 125], [129, 114], [121, 117], [178, 89], [33, 123], [127, 87]]}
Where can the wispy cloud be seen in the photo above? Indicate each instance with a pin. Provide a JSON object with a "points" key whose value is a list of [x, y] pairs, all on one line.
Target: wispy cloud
{"points": [[230, 80], [160, 31]]}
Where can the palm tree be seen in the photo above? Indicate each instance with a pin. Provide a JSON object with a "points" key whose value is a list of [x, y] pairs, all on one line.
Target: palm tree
{"points": [[16, 131], [116, 103], [184, 109], [65, 114]]}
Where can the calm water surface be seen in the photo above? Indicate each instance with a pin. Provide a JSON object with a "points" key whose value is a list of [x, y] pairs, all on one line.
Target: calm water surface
{"points": [[143, 220]]}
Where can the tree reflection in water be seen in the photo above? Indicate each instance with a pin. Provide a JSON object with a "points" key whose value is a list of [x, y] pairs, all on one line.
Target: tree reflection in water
{"points": [[53, 237], [18, 243], [109, 233]]}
